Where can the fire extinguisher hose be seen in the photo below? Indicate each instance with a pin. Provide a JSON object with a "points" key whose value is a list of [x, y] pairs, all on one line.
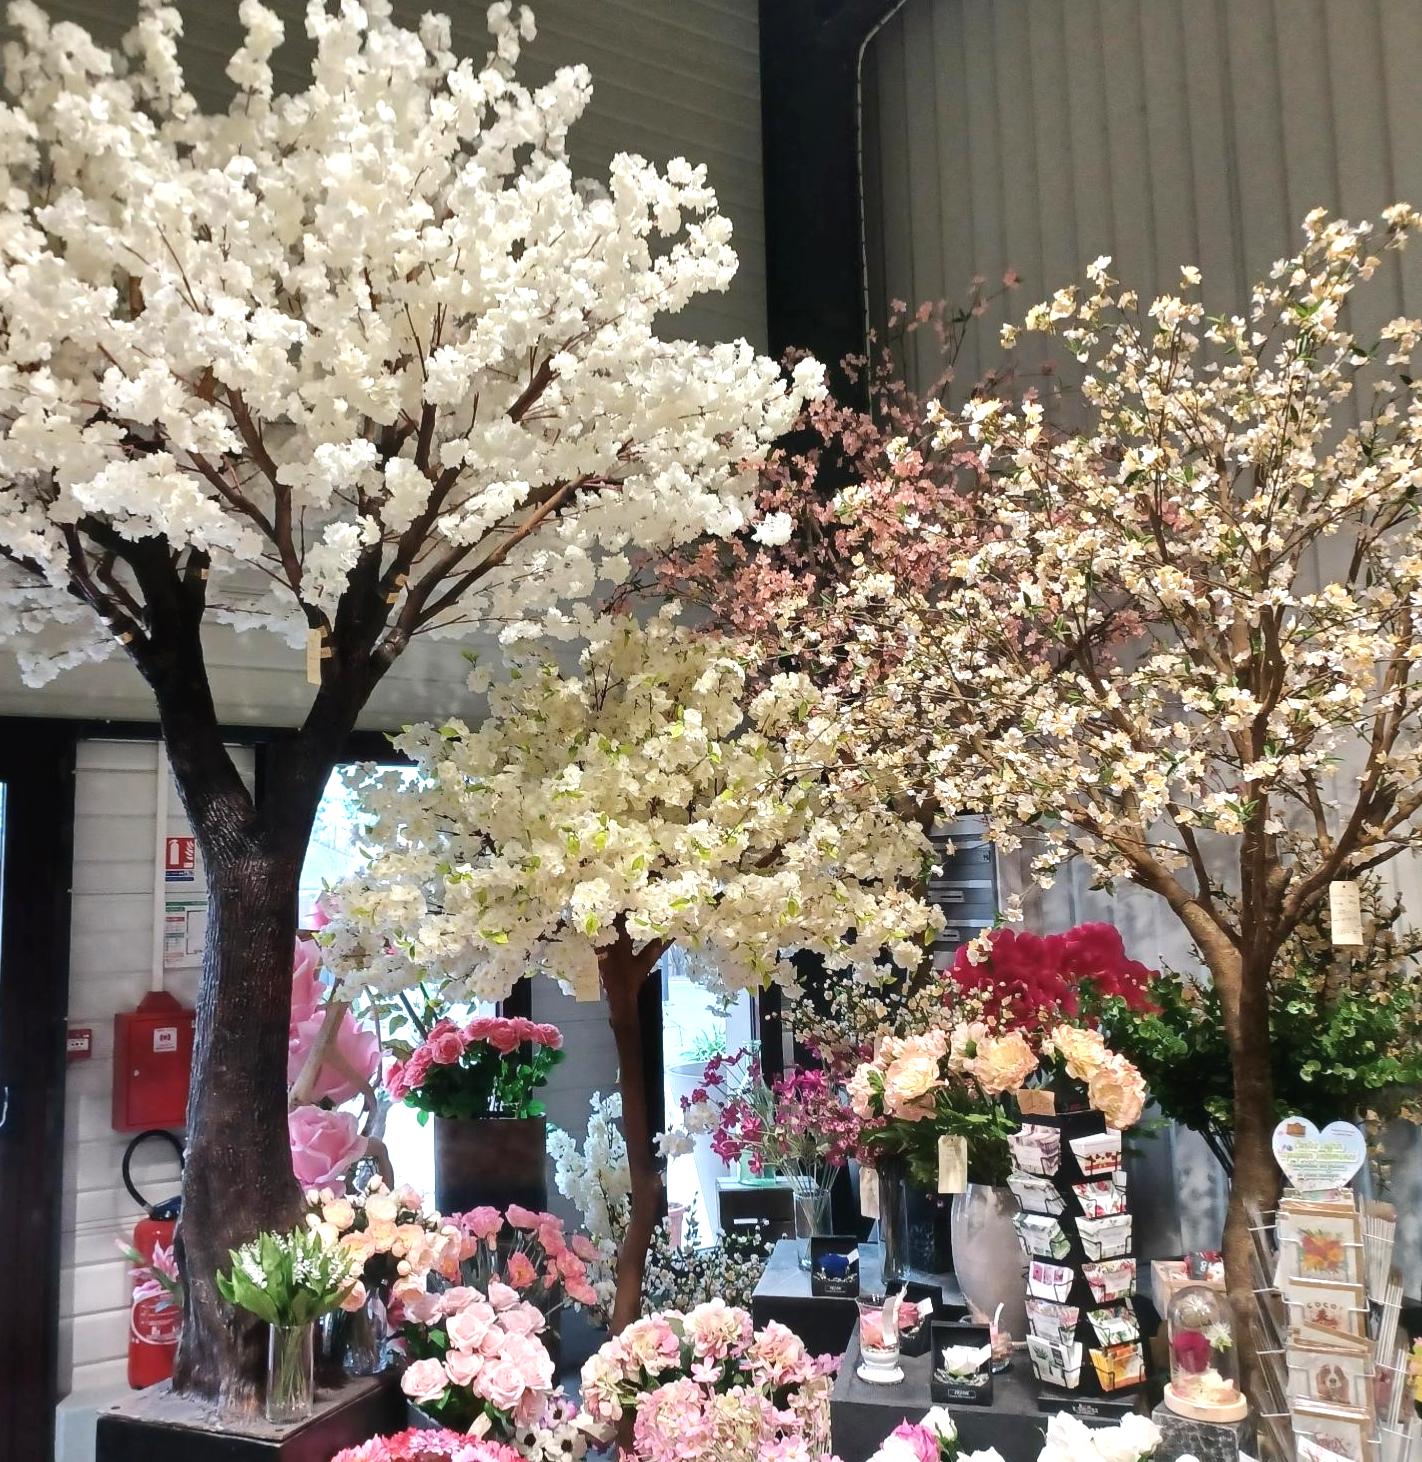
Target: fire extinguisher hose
{"points": [[169, 1207]]}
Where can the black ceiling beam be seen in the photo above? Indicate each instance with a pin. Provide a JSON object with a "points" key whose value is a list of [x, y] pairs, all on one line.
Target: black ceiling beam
{"points": [[809, 54]]}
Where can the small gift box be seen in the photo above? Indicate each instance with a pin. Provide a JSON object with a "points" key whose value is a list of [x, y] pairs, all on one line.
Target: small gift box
{"points": [[1111, 1280], [1050, 1281], [1036, 1195], [834, 1266], [1098, 1154], [1102, 1197], [1041, 1236], [1055, 1364], [1037, 1149], [1105, 1238], [1118, 1366], [962, 1365]]}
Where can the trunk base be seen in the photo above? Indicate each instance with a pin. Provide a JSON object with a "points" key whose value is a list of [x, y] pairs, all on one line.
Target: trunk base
{"points": [[158, 1426]]}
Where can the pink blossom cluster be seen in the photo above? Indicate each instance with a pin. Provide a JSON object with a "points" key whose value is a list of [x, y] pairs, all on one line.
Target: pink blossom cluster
{"points": [[1032, 981], [795, 1125], [418, 1445], [707, 1385], [476, 1354], [530, 1252], [447, 1045]]}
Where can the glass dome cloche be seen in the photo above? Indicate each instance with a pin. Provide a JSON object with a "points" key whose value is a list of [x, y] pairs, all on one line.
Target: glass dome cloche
{"points": [[1204, 1365]]}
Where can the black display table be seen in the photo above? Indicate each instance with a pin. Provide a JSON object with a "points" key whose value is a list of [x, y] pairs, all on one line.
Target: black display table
{"points": [[862, 1414], [824, 1324]]}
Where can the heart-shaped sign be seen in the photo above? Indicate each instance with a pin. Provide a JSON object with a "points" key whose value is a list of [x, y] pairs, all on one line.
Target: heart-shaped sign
{"points": [[1315, 1161]]}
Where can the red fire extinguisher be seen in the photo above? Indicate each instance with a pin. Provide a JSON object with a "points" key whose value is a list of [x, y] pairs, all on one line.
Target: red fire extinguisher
{"points": [[155, 1314]]}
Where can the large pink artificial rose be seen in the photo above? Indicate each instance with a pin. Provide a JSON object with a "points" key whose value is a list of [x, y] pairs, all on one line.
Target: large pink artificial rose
{"points": [[306, 986], [357, 1046], [324, 1145]]}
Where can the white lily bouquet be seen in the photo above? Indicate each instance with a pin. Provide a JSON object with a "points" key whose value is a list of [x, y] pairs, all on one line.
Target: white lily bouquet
{"points": [[288, 1279]]}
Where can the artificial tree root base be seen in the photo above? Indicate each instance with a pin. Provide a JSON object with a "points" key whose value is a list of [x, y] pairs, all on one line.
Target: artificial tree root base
{"points": [[157, 1426]]}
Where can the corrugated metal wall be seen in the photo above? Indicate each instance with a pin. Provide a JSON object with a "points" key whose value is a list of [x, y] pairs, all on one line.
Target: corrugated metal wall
{"points": [[1038, 134]]}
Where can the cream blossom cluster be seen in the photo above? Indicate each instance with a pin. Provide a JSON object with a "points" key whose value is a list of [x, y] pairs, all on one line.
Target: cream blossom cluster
{"points": [[367, 337], [1139, 652], [647, 798]]}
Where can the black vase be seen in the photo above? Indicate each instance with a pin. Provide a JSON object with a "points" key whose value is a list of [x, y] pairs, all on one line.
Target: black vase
{"points": [[493, 1161]]}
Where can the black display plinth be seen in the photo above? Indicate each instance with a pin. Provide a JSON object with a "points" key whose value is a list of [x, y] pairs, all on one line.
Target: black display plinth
{"points": [[862, 1414], [156, 1426], [823, 1322]]}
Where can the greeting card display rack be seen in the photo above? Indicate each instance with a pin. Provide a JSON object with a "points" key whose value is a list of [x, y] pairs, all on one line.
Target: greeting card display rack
{"points": [[1334, 1369], [1084, 1333]]}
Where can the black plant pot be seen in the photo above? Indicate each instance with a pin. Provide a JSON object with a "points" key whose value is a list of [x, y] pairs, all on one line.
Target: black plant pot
{"points": [[490, 1160]]}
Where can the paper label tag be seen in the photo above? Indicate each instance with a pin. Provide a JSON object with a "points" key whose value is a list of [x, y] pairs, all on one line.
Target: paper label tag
{"points": [[313, 657], [1345, 912], [868, 1193], [1035, 1101], [952, 1164]]}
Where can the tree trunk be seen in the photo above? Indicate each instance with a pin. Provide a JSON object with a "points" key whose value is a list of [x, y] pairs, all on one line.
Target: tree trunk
{"points": [[238, 1180], [623, 974], [1254, 1185]]}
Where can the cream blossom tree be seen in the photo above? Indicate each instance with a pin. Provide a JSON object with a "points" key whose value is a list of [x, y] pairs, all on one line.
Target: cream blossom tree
{"points": [[354, 365], [596, 819], [1184, 642]]}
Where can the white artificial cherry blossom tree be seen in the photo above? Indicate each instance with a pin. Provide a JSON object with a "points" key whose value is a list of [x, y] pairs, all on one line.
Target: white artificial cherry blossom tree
{"points": [[353, 365], [1183, 642], [594, 820]]}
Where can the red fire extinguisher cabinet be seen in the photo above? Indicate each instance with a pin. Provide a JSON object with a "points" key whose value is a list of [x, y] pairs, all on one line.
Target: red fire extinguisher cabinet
{"points": [[153, 1057]]}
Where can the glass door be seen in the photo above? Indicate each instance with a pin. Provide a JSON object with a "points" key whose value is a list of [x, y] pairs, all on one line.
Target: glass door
{"points": [[36, 832]]}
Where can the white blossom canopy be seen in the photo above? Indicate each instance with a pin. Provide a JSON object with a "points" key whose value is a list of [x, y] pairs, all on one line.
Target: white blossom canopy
{"points": [[649, 797], [371, 335]]}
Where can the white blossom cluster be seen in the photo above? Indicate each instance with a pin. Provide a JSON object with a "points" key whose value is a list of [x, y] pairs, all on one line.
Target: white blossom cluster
{"points": [[1176, 626], [597, 1180], [371, 331], [652, 797]]}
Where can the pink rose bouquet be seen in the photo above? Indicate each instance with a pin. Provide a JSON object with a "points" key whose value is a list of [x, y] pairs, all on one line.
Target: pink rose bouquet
{"points": [[530, 1252], [933, 1439], [491, 1067], [476, 1358], [417, 1445], [706, 1385]]}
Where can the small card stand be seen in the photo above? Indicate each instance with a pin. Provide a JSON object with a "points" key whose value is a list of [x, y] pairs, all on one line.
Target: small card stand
{"points": [[1083, 1142], [834, 1266], [915, 1339], [971, 1390]]}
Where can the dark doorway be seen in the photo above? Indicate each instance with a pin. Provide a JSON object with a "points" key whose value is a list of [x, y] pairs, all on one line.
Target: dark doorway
{"points": [[36, 833]]}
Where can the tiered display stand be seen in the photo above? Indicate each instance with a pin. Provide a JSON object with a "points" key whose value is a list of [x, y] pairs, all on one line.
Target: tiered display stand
{"points": [[1084, 1339]]}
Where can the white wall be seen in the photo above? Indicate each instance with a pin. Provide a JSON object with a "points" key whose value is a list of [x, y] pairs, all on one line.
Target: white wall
{"points": [[111, 963]]}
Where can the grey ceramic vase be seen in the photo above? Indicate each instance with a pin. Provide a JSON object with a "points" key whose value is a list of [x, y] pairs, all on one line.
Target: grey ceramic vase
{"points": [[987, 1257]]}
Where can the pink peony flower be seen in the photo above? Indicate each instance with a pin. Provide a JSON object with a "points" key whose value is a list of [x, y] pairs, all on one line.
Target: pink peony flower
{"points": [[521, 1217], [324, 1145], [482, 1223], [424, 1380]]}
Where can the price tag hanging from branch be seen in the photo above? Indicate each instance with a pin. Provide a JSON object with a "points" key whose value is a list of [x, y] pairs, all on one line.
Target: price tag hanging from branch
{"points": [[1345, 913]]}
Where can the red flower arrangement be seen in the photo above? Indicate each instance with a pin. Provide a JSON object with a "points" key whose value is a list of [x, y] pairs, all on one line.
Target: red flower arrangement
{"points": [[1031, 982]]}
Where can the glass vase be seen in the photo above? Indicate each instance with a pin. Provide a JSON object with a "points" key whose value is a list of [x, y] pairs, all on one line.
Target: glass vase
{"points": [[894, 1220], [812, 1204], [354, 1340], [290, 1367]]}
